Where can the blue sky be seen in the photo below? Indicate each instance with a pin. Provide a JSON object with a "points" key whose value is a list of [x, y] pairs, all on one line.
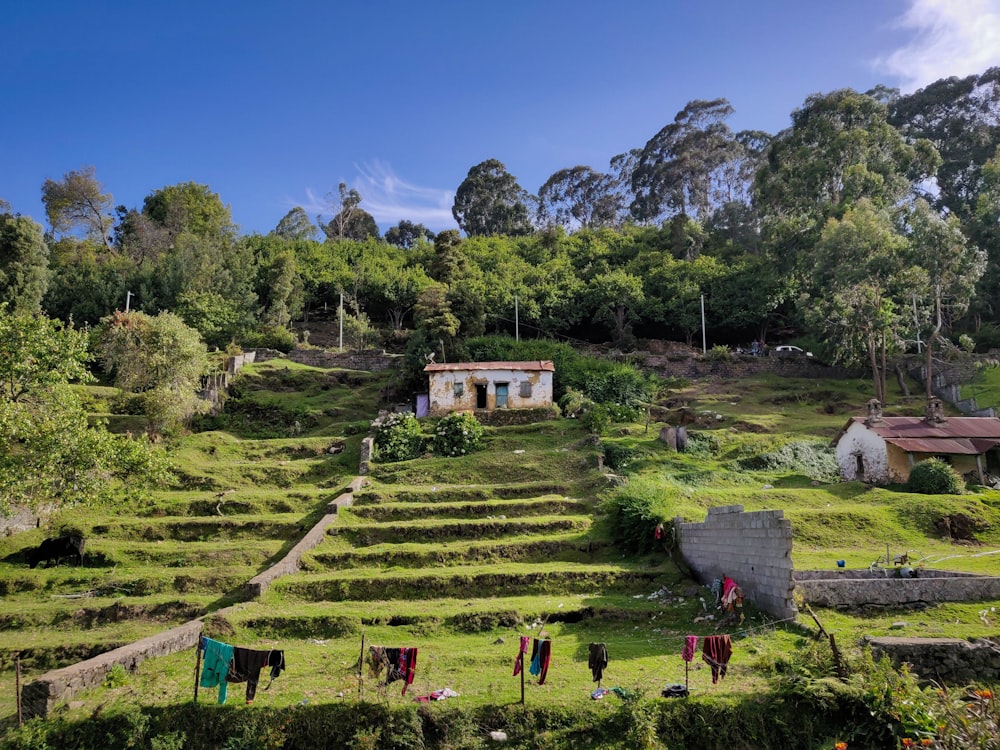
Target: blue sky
{"points": [[273, 104]]}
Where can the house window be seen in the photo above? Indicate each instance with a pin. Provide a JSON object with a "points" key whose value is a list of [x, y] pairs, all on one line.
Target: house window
{"points": [[525, 389], [458, 390], [501, 395]]}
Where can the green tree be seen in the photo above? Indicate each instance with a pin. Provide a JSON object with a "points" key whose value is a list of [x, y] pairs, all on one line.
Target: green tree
{"points": [[840, 149], [295, 225], [406, 234], [433, 314], [861, 271], [677, 168], [952, 266], [616, 296], [49, 450], [159, 357], [490, 201], [78, 201], [580, 197], [350, 221], [984, 230], [24, 257], [958, 115]]}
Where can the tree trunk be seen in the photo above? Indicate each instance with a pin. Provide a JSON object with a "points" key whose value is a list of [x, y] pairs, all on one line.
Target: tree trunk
{"points": [[928, 353]]}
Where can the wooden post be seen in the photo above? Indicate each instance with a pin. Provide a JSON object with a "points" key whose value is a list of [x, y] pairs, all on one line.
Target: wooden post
{"points": [[17, 678], [197, 669], [361, 667], [521, 657]]}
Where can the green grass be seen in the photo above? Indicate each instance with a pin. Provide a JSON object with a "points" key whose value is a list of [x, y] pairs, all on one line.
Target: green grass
{"points": [[462, 556]]}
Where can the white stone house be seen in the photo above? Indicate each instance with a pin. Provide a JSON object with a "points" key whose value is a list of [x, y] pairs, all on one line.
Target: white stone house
{"points": [[882, 450], [489, 385]]}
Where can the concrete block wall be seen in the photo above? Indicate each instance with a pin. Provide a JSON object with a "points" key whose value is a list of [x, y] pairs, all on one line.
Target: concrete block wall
{"points": [[754, 549]]}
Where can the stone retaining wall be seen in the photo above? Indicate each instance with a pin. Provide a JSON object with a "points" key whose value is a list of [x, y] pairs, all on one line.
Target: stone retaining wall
{"points": [[862, 589], [943, 660], [744, 366], [290, 563], [754, 549], [372, 361], [41, 695]]}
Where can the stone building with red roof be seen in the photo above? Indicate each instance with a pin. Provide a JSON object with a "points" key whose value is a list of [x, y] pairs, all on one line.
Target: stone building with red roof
{"points": [[882, 450]]}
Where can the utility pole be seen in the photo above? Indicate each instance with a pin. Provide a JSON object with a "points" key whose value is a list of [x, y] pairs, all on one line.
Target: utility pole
{"points": [[128, 299], [517, 323], [341, 342], [704, 347], [916, 326]]}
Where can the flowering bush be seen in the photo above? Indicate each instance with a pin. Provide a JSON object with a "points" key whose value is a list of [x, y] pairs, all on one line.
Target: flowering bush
{"points": [[456, 435], [398, 438]]}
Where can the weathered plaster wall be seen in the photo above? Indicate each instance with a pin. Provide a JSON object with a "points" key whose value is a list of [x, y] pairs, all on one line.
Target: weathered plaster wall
{"points": [[950, 661], [443, 398], [860, 440], [755, 549]]}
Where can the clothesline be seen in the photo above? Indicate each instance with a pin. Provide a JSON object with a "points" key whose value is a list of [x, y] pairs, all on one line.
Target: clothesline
{"points": [[741, 633]]}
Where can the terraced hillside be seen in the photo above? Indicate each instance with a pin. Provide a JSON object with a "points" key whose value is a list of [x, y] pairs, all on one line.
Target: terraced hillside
{"points": [[239, 504]]}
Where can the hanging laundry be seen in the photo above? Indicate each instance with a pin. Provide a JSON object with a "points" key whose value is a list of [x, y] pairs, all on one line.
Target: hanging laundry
{"points": [[716, 652], [519, 659], [398, 663], [541, 654], [690, 646], [215, 666], [597, 660], [247, 664]]}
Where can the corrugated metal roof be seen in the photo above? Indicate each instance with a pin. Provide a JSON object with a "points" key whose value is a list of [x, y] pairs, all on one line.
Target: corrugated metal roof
{"points": [[943, 446], [534, 365], [917, 427]]}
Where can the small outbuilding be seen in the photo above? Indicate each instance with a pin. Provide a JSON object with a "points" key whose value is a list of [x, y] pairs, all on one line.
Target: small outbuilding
{"points": [[881, 450], [489, 385]]}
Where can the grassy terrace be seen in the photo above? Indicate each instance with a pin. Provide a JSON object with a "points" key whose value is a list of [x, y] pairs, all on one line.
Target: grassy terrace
{"points": [[459, 557]]}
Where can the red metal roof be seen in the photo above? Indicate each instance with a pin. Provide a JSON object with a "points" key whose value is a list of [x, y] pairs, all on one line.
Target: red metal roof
{"points": [[958, 435], [533, 365]]}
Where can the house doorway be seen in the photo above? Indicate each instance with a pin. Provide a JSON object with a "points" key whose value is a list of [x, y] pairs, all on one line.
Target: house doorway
{"points": [[501, 395], [480, 395], [859, 467]]}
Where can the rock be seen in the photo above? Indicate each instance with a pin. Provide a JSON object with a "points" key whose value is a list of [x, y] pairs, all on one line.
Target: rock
{"points": [[498, 736], [898, 625]]}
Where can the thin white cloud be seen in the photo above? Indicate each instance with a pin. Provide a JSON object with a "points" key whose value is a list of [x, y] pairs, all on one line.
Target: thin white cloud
{"points": [[389, 199], [950, 38]]}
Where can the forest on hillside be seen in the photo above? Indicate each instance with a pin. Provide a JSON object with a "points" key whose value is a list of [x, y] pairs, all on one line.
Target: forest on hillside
{"points": [[874, 219]]}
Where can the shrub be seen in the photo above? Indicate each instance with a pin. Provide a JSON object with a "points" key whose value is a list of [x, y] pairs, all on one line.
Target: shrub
{"points": [[634, 512], [398, 438], [717, 353], [934, 477], [596, 419], [618, 457], [456, 435], [268, 337]]}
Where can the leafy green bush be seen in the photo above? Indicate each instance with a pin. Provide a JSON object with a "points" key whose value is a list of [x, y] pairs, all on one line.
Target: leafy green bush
{"points": [[718, 353], [456, 435], [618, 457], [814, 459], [398, 438], [596, 419], [934, 477], [634, 512], [268, 337]]}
